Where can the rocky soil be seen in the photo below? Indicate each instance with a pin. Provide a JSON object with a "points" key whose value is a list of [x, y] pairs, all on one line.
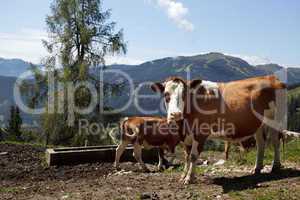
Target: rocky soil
{"points": [[24, 175]]}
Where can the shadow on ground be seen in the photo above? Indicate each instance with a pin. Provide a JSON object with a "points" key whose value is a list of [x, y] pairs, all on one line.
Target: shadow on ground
{"points": [[251, 181]]}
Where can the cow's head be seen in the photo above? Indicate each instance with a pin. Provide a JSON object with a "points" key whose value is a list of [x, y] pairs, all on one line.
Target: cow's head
{"points": [[175, 91]]}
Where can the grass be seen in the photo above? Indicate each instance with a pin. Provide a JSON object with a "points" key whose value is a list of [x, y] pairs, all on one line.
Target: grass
{"points": [[266, 194], [291, 153], [295, 91], [8, 189], [174, 169], [22, 143], [26, 143]]}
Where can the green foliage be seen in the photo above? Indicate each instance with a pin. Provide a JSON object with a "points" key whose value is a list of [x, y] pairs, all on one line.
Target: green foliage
{"points": [[14, 124], [30, 136], [294, 110], [1, 135], [80, 36]]}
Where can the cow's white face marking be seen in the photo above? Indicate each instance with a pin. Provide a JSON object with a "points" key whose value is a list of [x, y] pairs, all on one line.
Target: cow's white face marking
{"points": [[174, 100]]}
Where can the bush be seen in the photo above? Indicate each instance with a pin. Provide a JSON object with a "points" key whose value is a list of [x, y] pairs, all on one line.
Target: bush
{"points": [[29, 136]]}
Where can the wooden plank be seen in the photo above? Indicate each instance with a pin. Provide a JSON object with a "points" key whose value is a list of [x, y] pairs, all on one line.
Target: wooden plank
{"points": [[3, 153], [79, 155]]}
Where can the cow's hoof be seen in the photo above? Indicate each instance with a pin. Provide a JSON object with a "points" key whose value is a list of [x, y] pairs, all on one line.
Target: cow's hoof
{"points": [[182, 178], [257, 171], [276, 168], [160, 169], [117, 167], [189, 180]]}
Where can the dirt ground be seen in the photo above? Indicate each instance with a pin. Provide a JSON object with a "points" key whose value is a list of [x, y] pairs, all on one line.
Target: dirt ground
{"points": [[23, 175]]}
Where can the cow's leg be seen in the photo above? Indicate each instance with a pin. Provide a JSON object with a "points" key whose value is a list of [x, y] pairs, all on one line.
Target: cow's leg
{"points": [[197, 148], [260, 140], [137, 153], [172, 154], [226, 150], [187, 152], [161, 157], [276, 144], [119, 151], [241, 150]]}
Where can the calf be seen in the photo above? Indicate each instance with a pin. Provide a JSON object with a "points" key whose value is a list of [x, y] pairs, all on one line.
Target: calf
{"points": [[148, 132]]}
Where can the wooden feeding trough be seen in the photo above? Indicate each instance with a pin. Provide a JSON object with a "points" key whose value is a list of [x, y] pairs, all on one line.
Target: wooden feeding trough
{"points": [[91, 154]]}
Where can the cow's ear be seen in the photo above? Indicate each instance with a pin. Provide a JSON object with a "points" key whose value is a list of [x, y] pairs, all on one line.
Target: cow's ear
{"points": [[194, 84], [158, 87]]}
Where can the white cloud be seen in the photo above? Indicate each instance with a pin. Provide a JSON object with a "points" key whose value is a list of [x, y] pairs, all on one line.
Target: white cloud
{"points": [[25, 44], [177, 12], [292, 65]]}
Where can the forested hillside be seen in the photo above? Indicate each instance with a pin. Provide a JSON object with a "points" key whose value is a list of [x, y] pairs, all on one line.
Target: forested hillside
{"points": [[294, 109]]}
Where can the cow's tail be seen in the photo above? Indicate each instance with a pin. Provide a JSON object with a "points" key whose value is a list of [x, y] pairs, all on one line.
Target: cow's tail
{"points": [[127, 130], [115, 135]]}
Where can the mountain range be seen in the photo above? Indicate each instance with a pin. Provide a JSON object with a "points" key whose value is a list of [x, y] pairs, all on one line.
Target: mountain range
{"points": [[13, 67], [211, 66]]}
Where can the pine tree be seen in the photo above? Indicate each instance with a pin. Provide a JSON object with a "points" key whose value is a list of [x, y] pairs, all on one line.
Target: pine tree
{"points": [[80, 36], [18, 122], [11, 122], [14, 124]]}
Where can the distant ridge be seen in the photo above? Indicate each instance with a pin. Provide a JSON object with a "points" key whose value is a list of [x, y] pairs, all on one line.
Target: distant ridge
{"points": [[211, 66], [13, 67]]}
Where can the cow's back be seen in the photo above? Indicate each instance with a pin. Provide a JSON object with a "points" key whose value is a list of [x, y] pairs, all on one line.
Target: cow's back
{"points": [[137, 126], [241, 104]]}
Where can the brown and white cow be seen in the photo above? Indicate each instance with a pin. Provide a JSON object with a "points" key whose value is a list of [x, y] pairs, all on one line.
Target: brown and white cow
{"points": [[147, 132], [233, 111]]}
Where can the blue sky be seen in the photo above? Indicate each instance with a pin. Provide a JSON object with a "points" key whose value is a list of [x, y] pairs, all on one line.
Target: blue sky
{"points": [[258, 31]]}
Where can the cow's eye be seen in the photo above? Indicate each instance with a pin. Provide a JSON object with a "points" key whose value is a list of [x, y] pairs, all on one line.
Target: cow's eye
{"points": [[167, 97]]}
